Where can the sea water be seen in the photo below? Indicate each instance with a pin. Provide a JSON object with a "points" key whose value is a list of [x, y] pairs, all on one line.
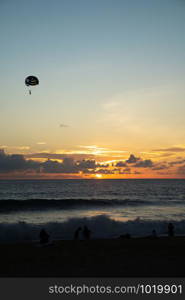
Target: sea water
{"points": [[108, 207]]}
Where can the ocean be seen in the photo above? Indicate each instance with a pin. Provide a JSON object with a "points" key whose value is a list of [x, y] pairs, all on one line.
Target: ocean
{"points": [[108, 207]]}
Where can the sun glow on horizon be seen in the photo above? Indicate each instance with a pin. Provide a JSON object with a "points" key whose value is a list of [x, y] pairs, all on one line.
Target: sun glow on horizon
{"points": [[99, 176]]}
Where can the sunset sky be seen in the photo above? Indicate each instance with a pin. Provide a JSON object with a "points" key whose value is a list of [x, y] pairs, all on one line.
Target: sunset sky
{"points": [[111, 98]]}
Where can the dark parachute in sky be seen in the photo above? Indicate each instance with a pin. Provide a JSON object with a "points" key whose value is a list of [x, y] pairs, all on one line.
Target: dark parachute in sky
{"points": [[31, 81]]}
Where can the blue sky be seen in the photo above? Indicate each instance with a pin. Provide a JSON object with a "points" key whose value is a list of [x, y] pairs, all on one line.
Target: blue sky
{"points": [[112, 70]]}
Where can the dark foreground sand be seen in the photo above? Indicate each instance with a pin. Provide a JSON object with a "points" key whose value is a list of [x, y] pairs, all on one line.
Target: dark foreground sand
{"points": [[134, 257]]}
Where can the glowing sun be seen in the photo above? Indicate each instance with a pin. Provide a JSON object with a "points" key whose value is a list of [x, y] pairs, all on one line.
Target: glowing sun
{"points": [[99, 176]]}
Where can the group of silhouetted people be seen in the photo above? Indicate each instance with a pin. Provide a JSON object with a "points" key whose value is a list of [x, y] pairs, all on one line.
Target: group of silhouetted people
{"points": [[85, 232], [171, 231]]}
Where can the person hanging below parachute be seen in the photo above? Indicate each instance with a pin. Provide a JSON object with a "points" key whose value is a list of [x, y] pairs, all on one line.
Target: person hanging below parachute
{"points": [[31, 81]]}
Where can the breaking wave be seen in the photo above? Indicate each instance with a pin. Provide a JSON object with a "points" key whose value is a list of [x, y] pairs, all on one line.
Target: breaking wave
{"points": [[101, 227]]}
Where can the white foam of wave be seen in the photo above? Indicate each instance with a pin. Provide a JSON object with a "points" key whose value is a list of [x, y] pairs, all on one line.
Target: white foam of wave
{"points": [[101, 227]]}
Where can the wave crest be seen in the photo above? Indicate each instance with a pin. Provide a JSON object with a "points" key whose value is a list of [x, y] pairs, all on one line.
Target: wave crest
{"points": [[12, 205], [101, 227]]}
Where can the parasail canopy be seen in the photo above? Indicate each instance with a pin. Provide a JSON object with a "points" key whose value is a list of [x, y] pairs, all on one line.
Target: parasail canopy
{"points": [[31, 80]]}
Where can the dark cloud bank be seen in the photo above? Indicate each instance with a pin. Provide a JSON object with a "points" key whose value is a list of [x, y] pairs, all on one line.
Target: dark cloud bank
{"points": [[18, 163], [15, 162]]}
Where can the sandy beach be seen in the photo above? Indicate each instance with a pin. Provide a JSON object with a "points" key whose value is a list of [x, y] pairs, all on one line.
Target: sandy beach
{"points": [[135, 257]]}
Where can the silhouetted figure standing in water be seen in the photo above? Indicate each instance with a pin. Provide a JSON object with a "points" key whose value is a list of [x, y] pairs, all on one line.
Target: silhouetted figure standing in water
{"points": [[77, 232], [86, 233], [44, 237], [170, 229]]}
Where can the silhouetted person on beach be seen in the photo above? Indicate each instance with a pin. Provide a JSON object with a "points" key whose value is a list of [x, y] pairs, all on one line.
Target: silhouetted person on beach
{"points": [[44, 237], [170, 229], [86, 233], [77, 232], [154, 233], [125, 236]]}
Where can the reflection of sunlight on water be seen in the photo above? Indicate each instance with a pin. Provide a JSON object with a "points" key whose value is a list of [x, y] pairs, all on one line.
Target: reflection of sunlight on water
{"points": [[123, 214], [51, 216], [121, 218]]}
